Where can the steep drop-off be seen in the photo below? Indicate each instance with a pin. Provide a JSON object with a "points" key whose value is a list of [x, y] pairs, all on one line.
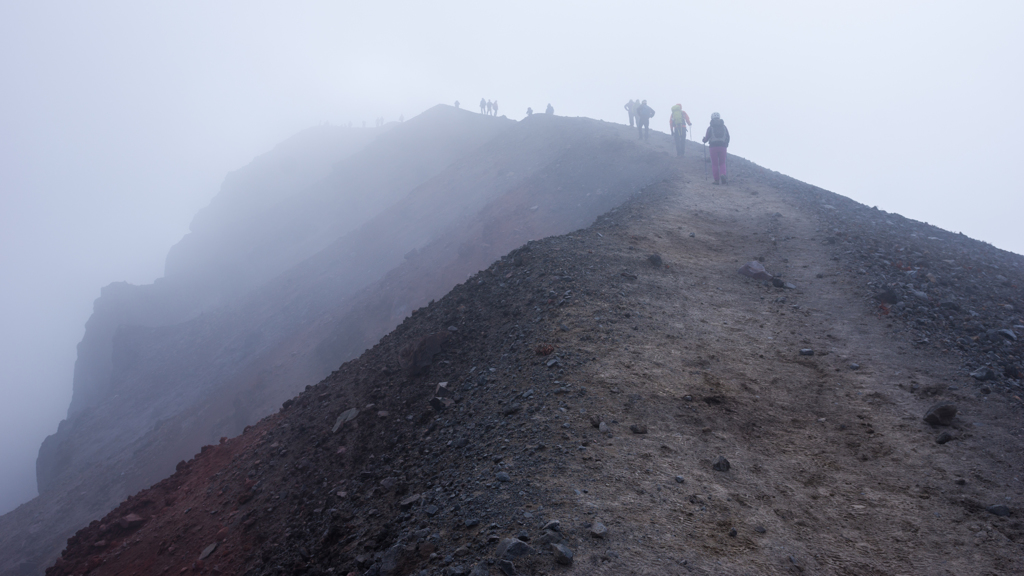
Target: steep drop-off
{"points": [[618, 400], [391, 227]]}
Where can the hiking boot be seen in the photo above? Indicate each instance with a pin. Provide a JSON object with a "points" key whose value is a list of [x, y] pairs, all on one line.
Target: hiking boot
{"points": [[723, 180]]}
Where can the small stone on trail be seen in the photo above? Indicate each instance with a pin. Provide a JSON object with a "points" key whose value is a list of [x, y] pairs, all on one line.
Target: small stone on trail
{"points": [[946, 436], [755, 270], [209, 549], [691, 234], [680, 479], [563, 555], [507, 568], [553, 525], [1008, 334], [345, 417], [598, 530], [604, 429], [655, 260], [511, 548], [999, 510], [503, 477], [941, 414], [408, 501], [807, 352], [760, 530], [638, 428], [131, 521], [732, 532], [984, 373], [854, 366], [778, 283], [721, 464], [430, 510]]}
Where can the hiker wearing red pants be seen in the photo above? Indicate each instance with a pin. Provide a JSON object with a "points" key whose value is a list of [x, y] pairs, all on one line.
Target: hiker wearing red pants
{"points": [[717, 138]]}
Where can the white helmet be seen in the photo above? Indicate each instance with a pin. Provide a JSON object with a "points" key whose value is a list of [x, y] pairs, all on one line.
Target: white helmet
{"points": [[715, 116]]}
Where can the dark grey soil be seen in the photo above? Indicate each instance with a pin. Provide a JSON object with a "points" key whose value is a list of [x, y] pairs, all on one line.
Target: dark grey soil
{"points": [[589, 387]]}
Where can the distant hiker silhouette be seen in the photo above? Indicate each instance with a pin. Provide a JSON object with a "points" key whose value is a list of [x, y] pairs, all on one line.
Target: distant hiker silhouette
{"points": [[495, 106], [401, 118], [490, 106], [483, 105], [529, 111], [631, 108], [717, 138], [456, 104], [677, 124], [550, 110], [644, 113]]}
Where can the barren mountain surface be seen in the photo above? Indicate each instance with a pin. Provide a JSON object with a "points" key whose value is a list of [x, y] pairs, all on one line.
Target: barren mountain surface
{"points": [[456, 191], [618, 400]]}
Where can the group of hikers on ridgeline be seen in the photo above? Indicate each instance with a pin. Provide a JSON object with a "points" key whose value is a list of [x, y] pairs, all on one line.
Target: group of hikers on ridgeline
{"points": [[717, 135]]}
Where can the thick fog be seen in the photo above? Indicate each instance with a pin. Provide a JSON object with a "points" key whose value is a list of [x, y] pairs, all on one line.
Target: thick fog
{"points": [[119, 120]]}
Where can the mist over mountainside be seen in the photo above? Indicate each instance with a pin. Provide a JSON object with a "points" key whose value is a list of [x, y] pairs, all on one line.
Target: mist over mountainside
{"points": [[618, 400], [284, 207], [262, 298]]}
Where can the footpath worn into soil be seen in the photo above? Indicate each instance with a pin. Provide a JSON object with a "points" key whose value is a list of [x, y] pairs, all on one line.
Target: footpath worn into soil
{"points": [[619, 400]]}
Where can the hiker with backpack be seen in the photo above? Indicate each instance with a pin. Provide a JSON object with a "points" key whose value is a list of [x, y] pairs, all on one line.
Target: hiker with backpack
{"points": [[717, 138], [631, 109], [550, 110], [644, 113], [677, 124], [483, 105]]}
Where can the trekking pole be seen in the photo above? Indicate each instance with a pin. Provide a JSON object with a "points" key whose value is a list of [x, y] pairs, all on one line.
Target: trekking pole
{"points": [[704, 151]]}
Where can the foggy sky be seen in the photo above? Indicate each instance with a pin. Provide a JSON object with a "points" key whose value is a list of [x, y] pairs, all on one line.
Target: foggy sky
{"points": [[119, 120]]}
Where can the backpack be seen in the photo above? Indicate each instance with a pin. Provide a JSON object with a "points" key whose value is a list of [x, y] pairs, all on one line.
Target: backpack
{"points": [[718, 135]]}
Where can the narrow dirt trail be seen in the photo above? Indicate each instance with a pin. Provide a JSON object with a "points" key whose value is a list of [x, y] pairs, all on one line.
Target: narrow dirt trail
{"points": [[587, 385], [832, 468]]}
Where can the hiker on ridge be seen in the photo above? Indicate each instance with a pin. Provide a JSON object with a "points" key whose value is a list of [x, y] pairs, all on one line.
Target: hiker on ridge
{"points": [[550, 110], [495, 105], [677, 124], [529, 111], [644, 113], [456, 104], [631, 109], [483, 105], [717, 138]]}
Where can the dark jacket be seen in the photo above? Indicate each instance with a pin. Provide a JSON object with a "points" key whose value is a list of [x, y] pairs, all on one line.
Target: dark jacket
{"points": [[717, 134], [644, 111]]}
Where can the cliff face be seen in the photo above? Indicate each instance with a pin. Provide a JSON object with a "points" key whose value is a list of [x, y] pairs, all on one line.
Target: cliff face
{"points": [[580, 407], [273, 290], [198, 271]]}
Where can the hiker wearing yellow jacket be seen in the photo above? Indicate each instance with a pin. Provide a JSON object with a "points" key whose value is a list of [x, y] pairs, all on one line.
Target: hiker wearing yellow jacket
{"points": [[677, 124]]}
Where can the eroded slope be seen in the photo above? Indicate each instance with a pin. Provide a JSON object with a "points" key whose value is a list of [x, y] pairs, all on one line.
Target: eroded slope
{"points": [[832, 469]]}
